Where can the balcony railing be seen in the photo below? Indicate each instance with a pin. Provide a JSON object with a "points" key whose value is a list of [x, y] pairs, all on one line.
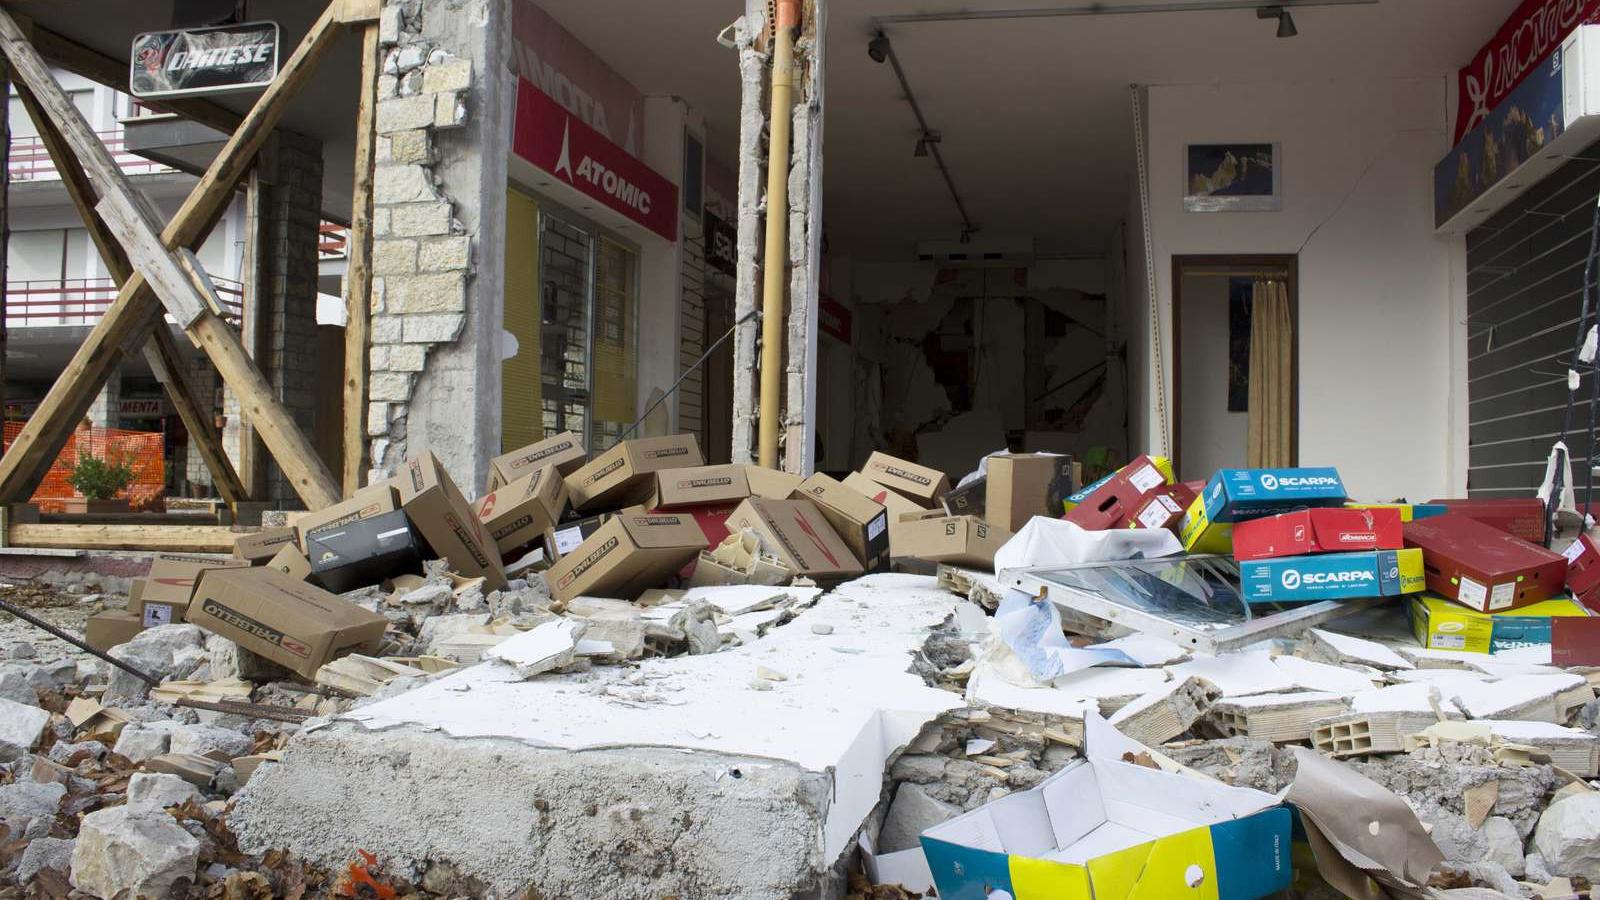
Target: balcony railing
{"points": [[30, 161], [333, 241], [82, 301]]}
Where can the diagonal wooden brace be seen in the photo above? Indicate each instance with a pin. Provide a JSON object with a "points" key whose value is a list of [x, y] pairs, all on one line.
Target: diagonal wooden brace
{"points": [[138, 305]]}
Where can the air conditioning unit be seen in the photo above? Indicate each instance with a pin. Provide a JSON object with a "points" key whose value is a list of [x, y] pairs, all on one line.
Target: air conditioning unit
{"points": [[981, 251]]}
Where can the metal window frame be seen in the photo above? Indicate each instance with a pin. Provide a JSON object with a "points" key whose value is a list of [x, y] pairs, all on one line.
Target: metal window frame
{"points": [[1212, 641]]}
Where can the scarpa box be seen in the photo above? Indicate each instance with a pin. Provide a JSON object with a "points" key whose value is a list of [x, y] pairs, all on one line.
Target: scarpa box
{"points": [[1103, 828], [1235, 495], [1441, 624], [1332, 576]]}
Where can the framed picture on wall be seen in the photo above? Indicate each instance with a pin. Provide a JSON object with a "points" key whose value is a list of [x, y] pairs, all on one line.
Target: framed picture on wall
{"points": [[1237, 177]]}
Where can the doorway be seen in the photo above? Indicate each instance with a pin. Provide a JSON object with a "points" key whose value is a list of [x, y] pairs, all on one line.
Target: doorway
{"points": [[1220, 369]]}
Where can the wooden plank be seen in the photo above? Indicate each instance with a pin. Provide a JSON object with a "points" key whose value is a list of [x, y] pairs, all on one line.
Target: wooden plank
{"points": [[5, 235], [183, 300], [113, 73], [255, 325], [357, 12], [166, 538], [160, 351], [358, 277], [136, 307]]}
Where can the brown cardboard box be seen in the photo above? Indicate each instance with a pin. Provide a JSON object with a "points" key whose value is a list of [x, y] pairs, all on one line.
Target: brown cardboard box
{"points": [[862, 524], [957, 540], [921, 484], [262, 545], [565, 451], [626, 556], [1024, 485], [623, 475], [372, 500], [294, 624], [517, 514], [291, 562], [447, 522], [796, 531], [105, 630], [165, 592], [896, 505], [770, 484], [700, 486]]}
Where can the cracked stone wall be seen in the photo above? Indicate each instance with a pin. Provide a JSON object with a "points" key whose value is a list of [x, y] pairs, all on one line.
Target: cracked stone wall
{"points": [[438, 221]]}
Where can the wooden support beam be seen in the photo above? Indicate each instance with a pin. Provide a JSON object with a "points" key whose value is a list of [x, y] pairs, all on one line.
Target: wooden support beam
{"points": [[161, 351], [358, 275], [357, 12], [137, 308], [5, 240], [113, 73], [163, 538]]}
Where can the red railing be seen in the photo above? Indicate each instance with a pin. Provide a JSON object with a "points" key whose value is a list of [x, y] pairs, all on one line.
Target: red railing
{"points": [[333, 241], [82, 301], [30, 161]]}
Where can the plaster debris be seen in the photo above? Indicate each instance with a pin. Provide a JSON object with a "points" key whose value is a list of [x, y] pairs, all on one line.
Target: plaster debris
{"points": [[132, 852], [1568, 837]]}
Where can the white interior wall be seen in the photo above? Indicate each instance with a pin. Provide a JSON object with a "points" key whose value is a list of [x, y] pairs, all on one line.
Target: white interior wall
{"points": [[1377, 289], [661, 266], [1210, 437]]}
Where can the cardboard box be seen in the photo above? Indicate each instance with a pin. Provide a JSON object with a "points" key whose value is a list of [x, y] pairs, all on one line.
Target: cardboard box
{"points": [[626, 556], [1103, 829], [297, 625], [364, 552], [516, 515], [1583, 571], [290, 561], [1331, 576], [1076, 498], [1199, 534], [1482, 567], [1118, 497], [447, 522], [1575, 641], [1408, 511], [1519, 516], [1235, 495], [863, 524], [105, 630], [372, 500], [922, 485], [1023, 485], [958, 540], [1163, 507], [1318, 531], [165, 593], [797, 533], [700, 486], [969, 499], [712, 519], [262, 545], [624, 475], [771, 484], [565, 451], [1441, 624], [565, 537]]}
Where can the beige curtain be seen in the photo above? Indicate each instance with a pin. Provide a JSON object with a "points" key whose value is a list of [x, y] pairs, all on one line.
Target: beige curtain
{"points": [[1271, 377]]}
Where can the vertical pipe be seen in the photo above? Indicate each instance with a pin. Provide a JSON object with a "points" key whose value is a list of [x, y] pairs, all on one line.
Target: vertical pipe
{"points": [[773, 264]]}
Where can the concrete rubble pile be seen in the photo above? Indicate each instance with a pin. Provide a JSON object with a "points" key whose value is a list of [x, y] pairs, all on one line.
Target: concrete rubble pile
{"points": [[656, 677]]}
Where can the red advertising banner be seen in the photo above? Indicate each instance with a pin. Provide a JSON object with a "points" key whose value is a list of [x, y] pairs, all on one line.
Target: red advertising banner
{"points": [[560, 143], [1527, 39], [834, 318]]}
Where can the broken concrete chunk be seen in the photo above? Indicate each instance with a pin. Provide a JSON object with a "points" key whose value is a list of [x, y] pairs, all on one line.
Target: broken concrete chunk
{"points": [[1568, 837], [139, 741], [1165, 713], [14, 687], [1238, 674], [912, 812], [549, 646], [149, 790], [202, 740], [1317, 676], [1535, 698], [45, 853], [24, 801], [123, 852], [1330, 646], [197, 770], [1278, 718], [20, 728]]}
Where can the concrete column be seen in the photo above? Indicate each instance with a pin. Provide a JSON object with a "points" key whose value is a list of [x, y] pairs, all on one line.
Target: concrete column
{"points": [[202, 379], [445, 104], [103, 412], [747, 270]]}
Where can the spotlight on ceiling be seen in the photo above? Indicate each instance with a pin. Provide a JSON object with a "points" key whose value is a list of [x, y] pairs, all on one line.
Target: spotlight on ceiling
{"points": [[878, 47], [1286, 27]]}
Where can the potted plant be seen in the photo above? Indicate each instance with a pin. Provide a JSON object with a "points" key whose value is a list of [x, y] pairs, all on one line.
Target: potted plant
{"points": [[99, 481]]}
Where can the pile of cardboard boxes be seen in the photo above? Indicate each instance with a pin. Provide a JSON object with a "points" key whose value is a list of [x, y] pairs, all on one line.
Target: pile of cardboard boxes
{"points": [[644, 514]]}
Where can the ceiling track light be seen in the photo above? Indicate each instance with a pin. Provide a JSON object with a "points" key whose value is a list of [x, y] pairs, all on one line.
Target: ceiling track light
{"points": [[925, 141], [880, 50], [1286, 27]]}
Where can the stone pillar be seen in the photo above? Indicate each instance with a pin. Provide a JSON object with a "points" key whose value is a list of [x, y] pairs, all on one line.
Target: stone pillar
{"points": [[103, 412], [202, 379], [439, 190], [290, 217]]}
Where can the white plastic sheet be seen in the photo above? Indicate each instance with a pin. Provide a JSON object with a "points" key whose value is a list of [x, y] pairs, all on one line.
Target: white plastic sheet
{"points": [[1055, 542], [1032, 629]]}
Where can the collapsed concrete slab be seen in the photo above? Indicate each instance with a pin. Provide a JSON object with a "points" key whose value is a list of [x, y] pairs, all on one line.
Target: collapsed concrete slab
{"points": [[678, 776]]}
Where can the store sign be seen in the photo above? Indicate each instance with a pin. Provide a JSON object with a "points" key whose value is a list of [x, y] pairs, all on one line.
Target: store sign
{"points": [[195, 61], [1534, 31], [563, 68], [722, 245], [130, 408], [552, 138], [834, 318]]}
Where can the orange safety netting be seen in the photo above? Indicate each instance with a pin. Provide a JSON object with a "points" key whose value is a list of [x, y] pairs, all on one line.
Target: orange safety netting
{"points": [[144, 450]]}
